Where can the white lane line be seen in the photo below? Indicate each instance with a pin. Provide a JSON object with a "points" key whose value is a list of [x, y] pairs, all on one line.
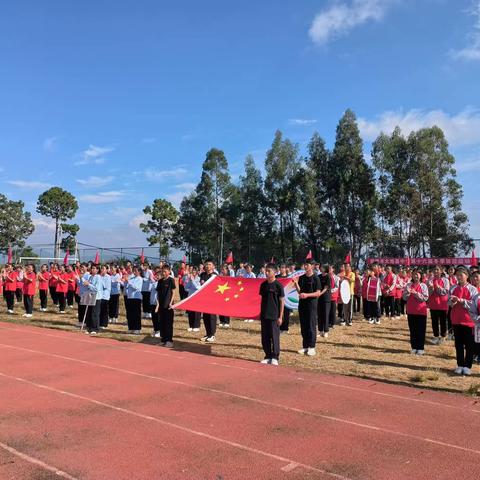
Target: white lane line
{"points": [[289, 467], [36, 461], [198, 433], [72, 337], [250, 399]]}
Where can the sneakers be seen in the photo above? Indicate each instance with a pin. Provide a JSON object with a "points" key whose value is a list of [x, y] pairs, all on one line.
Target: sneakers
{"points": [[342, 324], [189, 329], [10, 311], [458, 371], [420, 352], [466, 371], [265, 361], [248, 320], [93, 332], [195, 329], [226, 325], [210, 339], [349, 324], [435, 341], [311, 352], [274, 361], [325, 335], [86, 332], [371, 321], [63, 311], [302, 351], [168, 344], [377, 321], [156, 335], [413, 352], [204, 339]]}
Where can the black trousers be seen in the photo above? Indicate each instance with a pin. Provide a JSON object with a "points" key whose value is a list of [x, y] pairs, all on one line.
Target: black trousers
{"points": [[155, 319], [165, 316], [439, 319], [113, 305], [323, 315], [449, 319], [340, 311], [94, 319], [270, 338], [389, 301], [70, 296], [308, 324], [61, 298], [396, 307], [146, 302], [402, 306], [194, 319], [104, 313], [357, 302], [332, 318], [19, 294], [182, 292], [364, 308], [464, 345], [285, 320], [224, 320], [372, 310], [81, 313], [28, 303], [417, 324], [347, 311], [53, 295], [210, 322], [10, 299], [134, 313], [43, 298]]}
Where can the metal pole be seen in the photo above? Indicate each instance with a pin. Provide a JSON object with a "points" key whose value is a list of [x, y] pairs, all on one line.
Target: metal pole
{"points": [[220, 261]]}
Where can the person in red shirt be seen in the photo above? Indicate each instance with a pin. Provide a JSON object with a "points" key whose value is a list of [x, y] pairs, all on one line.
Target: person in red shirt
{"points": [[52, 284], [438, 288], [10, 286], [71, 285], [62, 288], [43, 280], [29, 289], [452, 279], [181, 287], [463, 300], [416, 296]]}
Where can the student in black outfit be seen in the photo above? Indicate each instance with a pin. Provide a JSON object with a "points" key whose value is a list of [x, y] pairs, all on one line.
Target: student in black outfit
{"points": [[271, 314], [286, 311], [324, 302], [209, 320], [309, 288], [165, 288]]}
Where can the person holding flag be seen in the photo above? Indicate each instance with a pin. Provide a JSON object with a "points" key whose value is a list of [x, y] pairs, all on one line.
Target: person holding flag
{"points": [[209, 320]]}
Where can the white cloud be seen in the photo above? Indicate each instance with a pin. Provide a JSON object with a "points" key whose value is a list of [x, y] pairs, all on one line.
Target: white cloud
{"points": [[29, 185], [123, 211], [340, 18], [472, 50], [103, 197], [95, 182], [49, 143], [44, 225], [94, 155], [460, 130], [175, 198], [138, 219], [186, 186], [301, 121], [154, 175]]}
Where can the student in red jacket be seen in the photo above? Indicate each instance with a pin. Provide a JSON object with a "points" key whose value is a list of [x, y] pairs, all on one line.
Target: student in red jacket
{"points": [[29, 289], [452, 279], [61, 290], [438, 288], [19, 289], [43, 279], [52, 284], [10, 286], [72, 283], [416, 296], [463, 300]]}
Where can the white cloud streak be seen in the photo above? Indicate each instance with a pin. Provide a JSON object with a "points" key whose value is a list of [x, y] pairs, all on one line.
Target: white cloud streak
{"points": [[49, 143], [95, 182], [102, 197], [302, 121], [471, 52], [338, 19], [153, 175], [461, 129], [94, 155], [29, 185]]}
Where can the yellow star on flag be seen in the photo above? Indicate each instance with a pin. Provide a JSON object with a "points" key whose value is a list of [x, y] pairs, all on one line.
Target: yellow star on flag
{"points": [[221, 288]]}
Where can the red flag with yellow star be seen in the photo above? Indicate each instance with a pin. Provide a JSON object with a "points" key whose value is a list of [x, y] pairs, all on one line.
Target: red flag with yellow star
{"points": [[228, 296]]}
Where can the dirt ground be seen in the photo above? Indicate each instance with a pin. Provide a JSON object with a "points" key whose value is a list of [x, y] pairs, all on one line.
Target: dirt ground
{"points": [[377, 352]]}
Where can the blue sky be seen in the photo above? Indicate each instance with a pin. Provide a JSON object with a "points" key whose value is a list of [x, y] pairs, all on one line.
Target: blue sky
{"points": [[118, 102]]}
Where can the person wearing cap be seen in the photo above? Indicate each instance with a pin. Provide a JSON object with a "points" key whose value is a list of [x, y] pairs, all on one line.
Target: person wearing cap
{"points": [[309, 289], [463, 299]]}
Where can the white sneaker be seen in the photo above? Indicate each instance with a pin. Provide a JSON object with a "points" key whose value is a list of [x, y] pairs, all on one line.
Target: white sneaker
{"points": [[210, 339], [397, 317], [168, 344], [377, 321], [93, 332], [62, 311], [466, 371], [274, 361], [137, 332], [265, 361], [226, 325], [342, 324], [10, 311], [189, 329], [86, 332], [156, 335], [24, 315], [29, 315], [195, 329], [413, 352], [420, 352], [246, 320], [204, 339], [441, 340], [325, 335], [251, 320], [311, 352], [371, 321], [435, 341], [302, 351], [458, 371], [320, 334]]}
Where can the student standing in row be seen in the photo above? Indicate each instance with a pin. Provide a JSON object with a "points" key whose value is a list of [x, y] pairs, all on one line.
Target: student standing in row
{"points": [[438, 289], [165, 288], [61, 289], [192, 284], [43, 279], [309, 288], [9, 287], [133, 288], [284, 327], [271, 314], [224, 321], [416, 296], [94, 284], [29, 289], [209, 320], [113, 304], [324, 302], [106, 289]]}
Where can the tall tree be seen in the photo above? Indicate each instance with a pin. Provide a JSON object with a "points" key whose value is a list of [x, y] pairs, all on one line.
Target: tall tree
{"points": [[163, 216], [355, 200], [69, 241], [15, 224], [282, 167], [58, 204]]}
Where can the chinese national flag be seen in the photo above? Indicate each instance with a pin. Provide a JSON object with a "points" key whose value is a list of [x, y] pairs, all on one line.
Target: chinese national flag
{"points": [[229, 258], [227, 296], [97, 258], [65, 260], [309, 255], [474, 261]]}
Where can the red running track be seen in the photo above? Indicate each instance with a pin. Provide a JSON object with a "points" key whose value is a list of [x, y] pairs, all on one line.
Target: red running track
{"points": [[77, 407]]}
